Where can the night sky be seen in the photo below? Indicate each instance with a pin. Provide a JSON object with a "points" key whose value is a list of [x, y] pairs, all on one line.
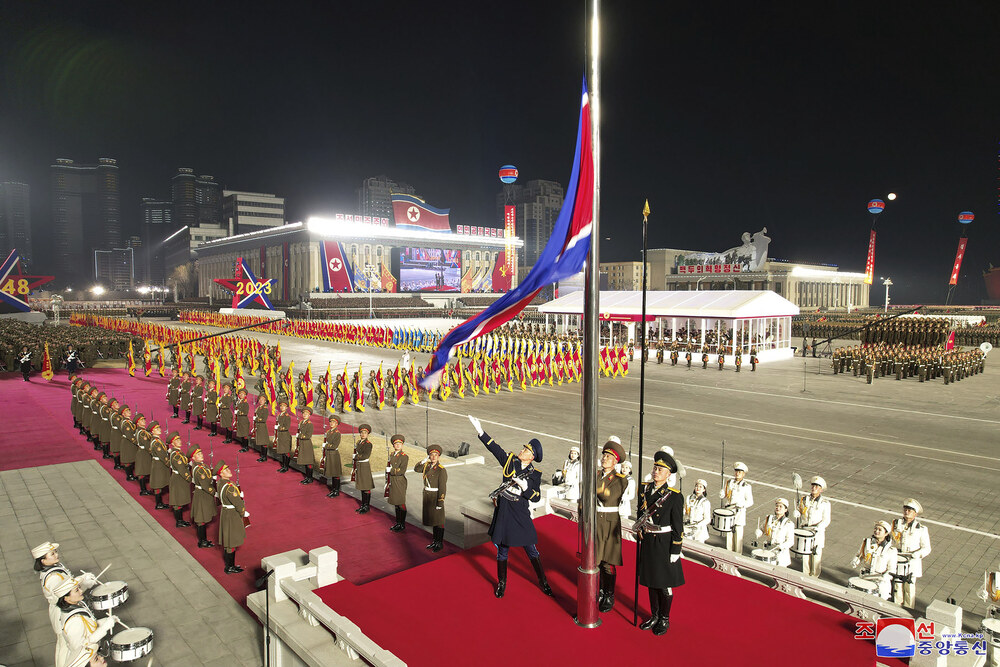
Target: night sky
{"points": [[728, 116]]}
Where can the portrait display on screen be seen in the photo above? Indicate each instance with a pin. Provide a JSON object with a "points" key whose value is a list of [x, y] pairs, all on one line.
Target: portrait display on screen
{"points": [[429, 270]]}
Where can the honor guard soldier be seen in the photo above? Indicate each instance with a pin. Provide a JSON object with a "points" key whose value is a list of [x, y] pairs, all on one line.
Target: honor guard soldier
{"points": [[704, 358], [673, 355], [813, 513], [261, 438], [198, 401], [660, 531], [180, 480], [737, 495], [722, 357], [659, 353], [143, 457], [127, 433], [283, 435], [611, 487], [242, 420], [687, 356], [362, 474], [78, 627], [877, 558], [739, 359], [185, 397], [25, 363], [913, 541], [395, 472], [697, 512], [159, 477], [115, 434], [203, 497], [232, 515], [333, 469], [778, 534], [94, 404], [512, 525], [104, 430], [226, 412], [434, 487], [212, 409], [305, 456]]}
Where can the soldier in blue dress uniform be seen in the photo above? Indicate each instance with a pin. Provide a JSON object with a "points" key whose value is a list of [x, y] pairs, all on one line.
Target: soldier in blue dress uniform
{"points": [[512, 525], [661, 535]]}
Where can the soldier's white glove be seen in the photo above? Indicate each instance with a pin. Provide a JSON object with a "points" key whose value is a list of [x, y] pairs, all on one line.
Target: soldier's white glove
{"points": [[855, 562], [388, 468], [439, 507], [521, 483], [796, 514], [674, 558], [246, 514], [87, 580], [476, 424], [757, 533], [104, 626]]}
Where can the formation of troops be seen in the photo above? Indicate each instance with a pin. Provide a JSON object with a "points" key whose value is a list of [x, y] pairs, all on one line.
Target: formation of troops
{"points": [[70, 348], [691, 354], [920, 331], [901, 361]]}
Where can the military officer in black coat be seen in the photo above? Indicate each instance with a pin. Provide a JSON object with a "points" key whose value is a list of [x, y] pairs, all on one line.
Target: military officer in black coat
{"points": [[512, 525], [661, 532]]}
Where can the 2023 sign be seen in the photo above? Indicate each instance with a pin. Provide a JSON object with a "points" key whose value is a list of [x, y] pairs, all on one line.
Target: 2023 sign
{"points": [[250, 287]]}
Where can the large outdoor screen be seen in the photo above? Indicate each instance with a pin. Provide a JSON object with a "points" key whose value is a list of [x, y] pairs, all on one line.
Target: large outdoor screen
{"points": [[430, 270]]}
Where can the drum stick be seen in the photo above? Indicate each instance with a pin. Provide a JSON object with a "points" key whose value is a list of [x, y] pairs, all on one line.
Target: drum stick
{"points": [[119, 621], [98, 577]]}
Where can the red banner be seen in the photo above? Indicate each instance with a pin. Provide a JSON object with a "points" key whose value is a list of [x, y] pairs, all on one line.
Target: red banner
{"points": [[870, 263], [336, 272], [958, 260], [501, 273]]}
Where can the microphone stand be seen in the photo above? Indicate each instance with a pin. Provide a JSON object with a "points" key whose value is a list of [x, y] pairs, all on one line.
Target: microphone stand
{"points": [[267, 617]]}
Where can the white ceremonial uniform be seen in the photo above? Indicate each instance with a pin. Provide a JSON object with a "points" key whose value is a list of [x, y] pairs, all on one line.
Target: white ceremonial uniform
{"points": [[915, 541], [79, 627], [697, 515], [737, 496], [571, 479], [51, 578], [779, 535], [625, 507], [815, 515], [878, 564]]}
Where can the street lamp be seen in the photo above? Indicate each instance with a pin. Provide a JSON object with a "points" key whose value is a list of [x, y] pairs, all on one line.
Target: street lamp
{"points": [[887, 283], [370, 274]]}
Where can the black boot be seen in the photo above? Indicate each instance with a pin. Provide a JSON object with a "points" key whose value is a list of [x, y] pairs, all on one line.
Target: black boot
{"points": [[400, 521], [187, 417], [601, 589], [198, 427], [229, 436], [107, 450], [246, 444], [663, 624], [179, 521], [285, 459], [118, 462], [203, 541], [231, 566], [130, 472], [176, 413], [143, 491], [501, 579], [336, 487], [263, 454], [159, 501], [654, 607], [366, 497], [329, 485], [540, 573], [438, 543], [608, 603], [215, 430], [307, 475]]}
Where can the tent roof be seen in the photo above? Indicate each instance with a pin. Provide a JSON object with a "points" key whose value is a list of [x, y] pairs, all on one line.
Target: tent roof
{"points": [[686, 303]]}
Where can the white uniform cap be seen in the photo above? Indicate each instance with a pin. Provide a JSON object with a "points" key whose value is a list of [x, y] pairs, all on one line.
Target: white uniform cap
{"points": [[739, 465], [911, 502], [885, 525], [626, 464], [44, 548], [783, 501], [818, 480], [702, 482], [65, 586], [615, 438], [668, 449]]}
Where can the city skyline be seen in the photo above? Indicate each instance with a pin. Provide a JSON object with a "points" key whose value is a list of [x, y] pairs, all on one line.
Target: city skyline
{"points": [[727, 120]]}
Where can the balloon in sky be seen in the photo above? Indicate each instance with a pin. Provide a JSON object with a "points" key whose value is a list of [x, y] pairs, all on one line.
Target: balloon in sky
{"points": [[876, 206], [965, 217], [508, 174]]}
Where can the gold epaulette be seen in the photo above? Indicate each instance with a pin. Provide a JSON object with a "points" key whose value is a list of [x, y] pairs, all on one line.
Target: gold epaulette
{"points": [[674, 490]]}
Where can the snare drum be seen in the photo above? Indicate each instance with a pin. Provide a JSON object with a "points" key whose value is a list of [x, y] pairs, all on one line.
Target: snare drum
{"points": [[805, 542], [131, 644], [689, 531], [765, 555], [724, 520], [863, 585], [903, 566], [109, 595], [991, 628]]}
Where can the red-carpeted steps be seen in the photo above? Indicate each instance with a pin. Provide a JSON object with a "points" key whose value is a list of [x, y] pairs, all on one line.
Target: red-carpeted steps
{"points": [[285, 515]]}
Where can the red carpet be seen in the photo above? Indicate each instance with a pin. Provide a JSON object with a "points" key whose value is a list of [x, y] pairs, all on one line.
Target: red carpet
{"points": [[716, 619], [285, 515]]}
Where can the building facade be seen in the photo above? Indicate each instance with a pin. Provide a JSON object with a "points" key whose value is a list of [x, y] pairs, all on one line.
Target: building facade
{"points": [[536, 206], [86, 216], [248, 212], [624, 275], [15, 222], [197, 200], [374, 195], [157, 216], [115, 269]]}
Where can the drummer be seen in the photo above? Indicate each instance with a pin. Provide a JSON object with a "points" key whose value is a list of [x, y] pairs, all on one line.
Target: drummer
{"points": [[779, 533], [737, 495], [813, 513], [51, 573], [697, 512], [877, 558], [911, 538], [78, 627], [625, 508], [87, 656]]}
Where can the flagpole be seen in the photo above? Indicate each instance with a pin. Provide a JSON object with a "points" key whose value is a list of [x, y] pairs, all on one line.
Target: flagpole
{"points": [[586, 595]]}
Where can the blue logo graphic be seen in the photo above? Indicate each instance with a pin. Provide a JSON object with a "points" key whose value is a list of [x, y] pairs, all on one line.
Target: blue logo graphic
{"points": [[894, 638]]}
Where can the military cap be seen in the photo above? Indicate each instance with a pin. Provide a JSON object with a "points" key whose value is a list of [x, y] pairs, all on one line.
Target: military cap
{"points": [[616, 449], [782, 501], [739, 465], [243, 390], [219, 467], [192, 450], [536, 448], [154, 424], [44, 548], [65, 586], [365, 427], [884, 524], [397, 438], [702, 482], [819, 481], [576, 449], [307, 409], [334, 418], [434, 448], [914, 505], [665, 460], [113, 400], [667, 449], [172, 436]]}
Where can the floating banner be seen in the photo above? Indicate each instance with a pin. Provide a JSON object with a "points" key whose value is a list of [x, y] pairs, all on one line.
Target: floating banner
{"points": [[870, 263], [958, 260]]}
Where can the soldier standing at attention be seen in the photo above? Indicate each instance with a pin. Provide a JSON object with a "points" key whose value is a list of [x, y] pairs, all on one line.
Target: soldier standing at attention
{"points": [[115, 434], [232, 527], [283, 435], [143, 458], [262, 439], [813, 513], [242, 420], [212, 409], [660, 538], [198, 401], [185, 396], [180, 480], [127, 430], [304, 454], [512, 525], [737, 495], [435, 487], [704, 358], [159, 478], [203, 497], [226, 412], [332, 466], [362, 475], [611, 487], [395, 471]]}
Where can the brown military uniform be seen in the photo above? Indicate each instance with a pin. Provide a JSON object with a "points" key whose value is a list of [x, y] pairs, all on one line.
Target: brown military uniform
{"points": [[283, 437], [212, 406], [114, 432], [242, 418], [608, 530], [398, 464], [226, 411], [173, 391], [435, 486], [180, 479], [203, 498], [127, 427], [184, 395], [143, 458], [303, 441], [160, 475], [261, 436], [332, 465], [232, 532], [363, 479]]}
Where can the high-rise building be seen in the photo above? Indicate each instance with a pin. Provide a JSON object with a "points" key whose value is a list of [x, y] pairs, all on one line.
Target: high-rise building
{"points": [[252, 211], [86, 216], [197, 200], [537, 204], [374, 195], [15, 221], [157, 224], [115, 269]]}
